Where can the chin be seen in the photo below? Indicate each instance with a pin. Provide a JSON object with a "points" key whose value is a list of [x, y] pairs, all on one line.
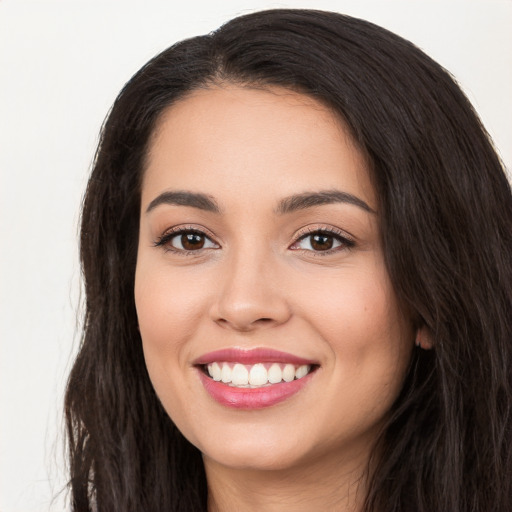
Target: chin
{"points": [[254, 448], [255, 457]]}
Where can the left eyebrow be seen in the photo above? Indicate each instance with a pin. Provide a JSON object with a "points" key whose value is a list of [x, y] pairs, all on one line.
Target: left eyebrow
{"points": [[185, 198], [311, 199]]}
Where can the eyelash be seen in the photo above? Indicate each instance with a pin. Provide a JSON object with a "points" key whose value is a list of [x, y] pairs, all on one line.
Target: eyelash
{"points": [[164, 240], [345, 241]]}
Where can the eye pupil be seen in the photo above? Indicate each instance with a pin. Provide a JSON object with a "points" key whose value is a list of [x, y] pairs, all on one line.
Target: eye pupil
{"points": [[321, 242], [191, 241]]}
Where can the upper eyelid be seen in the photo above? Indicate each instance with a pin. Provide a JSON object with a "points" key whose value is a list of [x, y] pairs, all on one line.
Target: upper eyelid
{"points": [[346, 240], [168, 234], [310, 230], [302, 233], [176, 230]]}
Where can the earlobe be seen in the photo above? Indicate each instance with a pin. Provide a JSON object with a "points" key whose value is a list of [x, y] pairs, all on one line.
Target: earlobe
{"points": [[424, 338]]}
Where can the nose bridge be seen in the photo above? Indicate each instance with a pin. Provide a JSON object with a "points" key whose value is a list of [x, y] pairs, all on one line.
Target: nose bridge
{"points": [[249, 294]]}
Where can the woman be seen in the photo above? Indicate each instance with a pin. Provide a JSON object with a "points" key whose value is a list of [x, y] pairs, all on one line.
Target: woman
{"points": [[295, 245]]}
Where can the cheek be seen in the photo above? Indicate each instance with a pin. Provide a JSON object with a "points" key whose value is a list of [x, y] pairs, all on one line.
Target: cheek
{"points": [[370, 343], [169, 312], [368, 337], [358, 310], [168, 308]]}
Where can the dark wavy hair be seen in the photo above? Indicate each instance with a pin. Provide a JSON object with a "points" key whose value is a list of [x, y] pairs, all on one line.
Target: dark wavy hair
{"points": [[445, 218]]}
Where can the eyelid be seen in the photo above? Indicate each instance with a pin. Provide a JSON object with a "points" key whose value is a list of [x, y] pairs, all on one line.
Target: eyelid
{"points": [[164, 239], [347, 240]]}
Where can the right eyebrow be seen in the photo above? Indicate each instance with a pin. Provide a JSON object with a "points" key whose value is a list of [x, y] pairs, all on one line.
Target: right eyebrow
{"points": [[185, 198], [311, 199]]}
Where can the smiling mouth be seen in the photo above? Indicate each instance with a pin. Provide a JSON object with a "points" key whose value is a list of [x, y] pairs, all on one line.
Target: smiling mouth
{"points": [[259, 375], [251, 379]]}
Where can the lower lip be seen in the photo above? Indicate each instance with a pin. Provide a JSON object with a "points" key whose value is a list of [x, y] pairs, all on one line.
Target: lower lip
{"points": [[255, 398]]}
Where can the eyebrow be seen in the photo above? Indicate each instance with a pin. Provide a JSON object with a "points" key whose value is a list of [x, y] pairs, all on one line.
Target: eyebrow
{"points": [[184, 198], [287, 205], [311, 199]]}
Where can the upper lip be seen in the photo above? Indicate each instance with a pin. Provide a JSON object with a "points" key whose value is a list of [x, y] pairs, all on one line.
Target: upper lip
{"points": [[251, 356]]}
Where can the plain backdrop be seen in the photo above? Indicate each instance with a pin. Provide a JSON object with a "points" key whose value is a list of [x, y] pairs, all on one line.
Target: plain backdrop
{"points": [[61, 66]]}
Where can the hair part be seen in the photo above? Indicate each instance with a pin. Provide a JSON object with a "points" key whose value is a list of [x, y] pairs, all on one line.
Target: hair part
{"points": [[445, 210]]}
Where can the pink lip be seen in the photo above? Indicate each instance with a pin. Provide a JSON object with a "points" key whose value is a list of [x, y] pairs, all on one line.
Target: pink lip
{"points": [[251, 356], [255, 398]]}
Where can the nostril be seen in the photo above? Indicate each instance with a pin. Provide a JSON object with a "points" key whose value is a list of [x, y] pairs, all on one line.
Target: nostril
{"points": [[244, 307], [245, 326]]}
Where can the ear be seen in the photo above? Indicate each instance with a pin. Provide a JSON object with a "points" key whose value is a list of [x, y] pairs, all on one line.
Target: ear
{"points": [[424, 338]]}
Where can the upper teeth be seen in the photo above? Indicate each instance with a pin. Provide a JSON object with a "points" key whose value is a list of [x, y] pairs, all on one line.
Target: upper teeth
{"points": [[259, 374]]}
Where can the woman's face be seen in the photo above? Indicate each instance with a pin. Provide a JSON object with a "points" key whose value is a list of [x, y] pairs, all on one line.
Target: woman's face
{"points": [[260, 261]]}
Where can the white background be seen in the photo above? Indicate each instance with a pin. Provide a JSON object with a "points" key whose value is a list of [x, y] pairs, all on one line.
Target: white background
{"points": [[61, 66]]}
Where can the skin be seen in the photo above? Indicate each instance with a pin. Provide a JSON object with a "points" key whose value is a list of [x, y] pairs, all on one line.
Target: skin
{"points": [[259, 282]]}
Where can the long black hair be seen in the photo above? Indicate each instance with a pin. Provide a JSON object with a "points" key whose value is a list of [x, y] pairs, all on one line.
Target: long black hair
{"points": [[445, 210]]}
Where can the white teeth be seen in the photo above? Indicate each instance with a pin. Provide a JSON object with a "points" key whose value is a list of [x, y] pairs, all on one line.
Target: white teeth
{"points": [[301, 371], [225, 375], [215, 371], [275, 374], [239, 375], [256, 375], [289, 373]]}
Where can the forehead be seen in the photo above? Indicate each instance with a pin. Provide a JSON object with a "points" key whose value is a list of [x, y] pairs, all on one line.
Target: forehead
{"points": [[239, 139]]}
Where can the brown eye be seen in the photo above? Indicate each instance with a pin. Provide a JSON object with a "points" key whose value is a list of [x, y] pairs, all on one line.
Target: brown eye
{"points": [[322, 242], [192, 241], [186, 240]]}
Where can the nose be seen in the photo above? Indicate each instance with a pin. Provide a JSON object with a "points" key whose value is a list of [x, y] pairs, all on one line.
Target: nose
{"points": [[250, 295]]}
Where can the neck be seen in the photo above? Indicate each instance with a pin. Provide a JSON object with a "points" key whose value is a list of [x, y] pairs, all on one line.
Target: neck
{"points": [[316, 486]]}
